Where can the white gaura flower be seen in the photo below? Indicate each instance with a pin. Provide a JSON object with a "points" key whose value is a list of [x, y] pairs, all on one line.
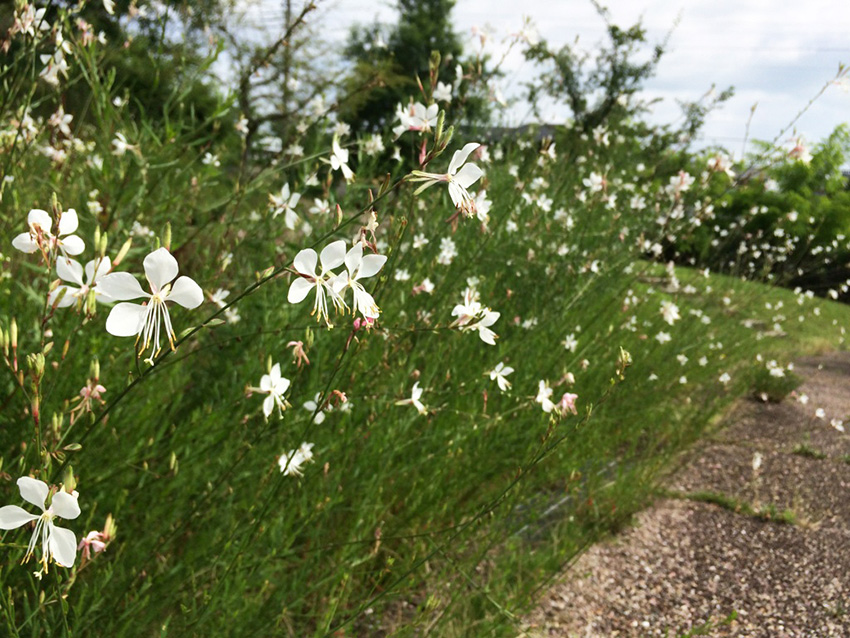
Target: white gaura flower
{"points": [[56, 542], [360, 267], [544, 397], [305, 262], [670, 312], [414, 400], [144, 320], [72, 272], [416, 117], [40, 235], [443, 92], [275, 386], [285, 203], [339, 160], [499, 374], [459, 179], [291, 462], [471, 315]]}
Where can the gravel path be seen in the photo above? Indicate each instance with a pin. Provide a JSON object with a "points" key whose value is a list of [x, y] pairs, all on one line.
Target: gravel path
{"points": [[736, 552]]}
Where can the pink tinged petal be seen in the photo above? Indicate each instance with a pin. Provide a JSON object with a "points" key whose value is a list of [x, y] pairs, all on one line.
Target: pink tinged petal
{"points": [[40, 218], [62, 544], [33, 491], [468, 175], [353, 258], [73, 245], [65, 505], [70, 270], [299, 290], [305, 262], [12, 517], [371, 265], [126, 320], [68, 222], [333, 255], [160, 268], [460, 157], [25, 243], [187, 293], [121, 286]]}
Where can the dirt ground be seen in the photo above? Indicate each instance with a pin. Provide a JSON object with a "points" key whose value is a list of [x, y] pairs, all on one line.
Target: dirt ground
{"points": [[733, 552]]}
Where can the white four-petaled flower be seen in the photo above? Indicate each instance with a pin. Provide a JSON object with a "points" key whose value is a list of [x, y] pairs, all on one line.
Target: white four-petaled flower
{"points": [[40, 235], [459, 177], [275, 386], [57, 543], [72, 272], [360, 267], [144, 320], [305, 262]]}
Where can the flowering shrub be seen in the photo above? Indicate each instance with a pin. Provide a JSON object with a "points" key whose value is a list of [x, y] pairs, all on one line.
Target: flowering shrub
{"points": [[249, 461]]}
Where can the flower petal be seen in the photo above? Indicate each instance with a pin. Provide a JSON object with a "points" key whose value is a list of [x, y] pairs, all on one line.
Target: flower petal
{"points": [[305, 262], [268, 405], [333, 255], [62, 544], [371, 265], [65, 505], [33, 491], [460, 156], [160, 268], [68, 222], [103, 267], [299, 290], [187, 293], [125, 320], [468, 175], [70, 270], [121, 286], [25, 243], [68, 298], [73, 245], [353, 258], [40, 218], [12, 517]]}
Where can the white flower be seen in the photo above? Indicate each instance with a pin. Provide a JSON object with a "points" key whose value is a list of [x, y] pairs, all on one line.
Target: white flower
{"points": [[57, 543], [415, 118], [663, 337], [285, 203], [570, 342], [360, 267], [333, 255], [415, 395], [471, 315], [72, 272], [291, 462], [459, 179], [313, 406], [339, 161], [448, 251], [39, 235], [275, 386], [443, 92], [499, 375], [670, 312], [144, 320], [544, 396]]}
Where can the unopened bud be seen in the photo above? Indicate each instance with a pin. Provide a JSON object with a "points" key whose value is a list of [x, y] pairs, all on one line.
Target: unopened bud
{"points": [[123, 252], [438, 131], [104, 240], [166, 236], [13, 334]]}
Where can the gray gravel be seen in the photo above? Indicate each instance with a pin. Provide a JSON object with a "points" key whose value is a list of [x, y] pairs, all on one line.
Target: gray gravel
{"points": [[687, 563]]}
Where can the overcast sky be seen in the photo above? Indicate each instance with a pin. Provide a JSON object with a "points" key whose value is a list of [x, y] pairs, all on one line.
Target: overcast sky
{"points": [[776, 53]]}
